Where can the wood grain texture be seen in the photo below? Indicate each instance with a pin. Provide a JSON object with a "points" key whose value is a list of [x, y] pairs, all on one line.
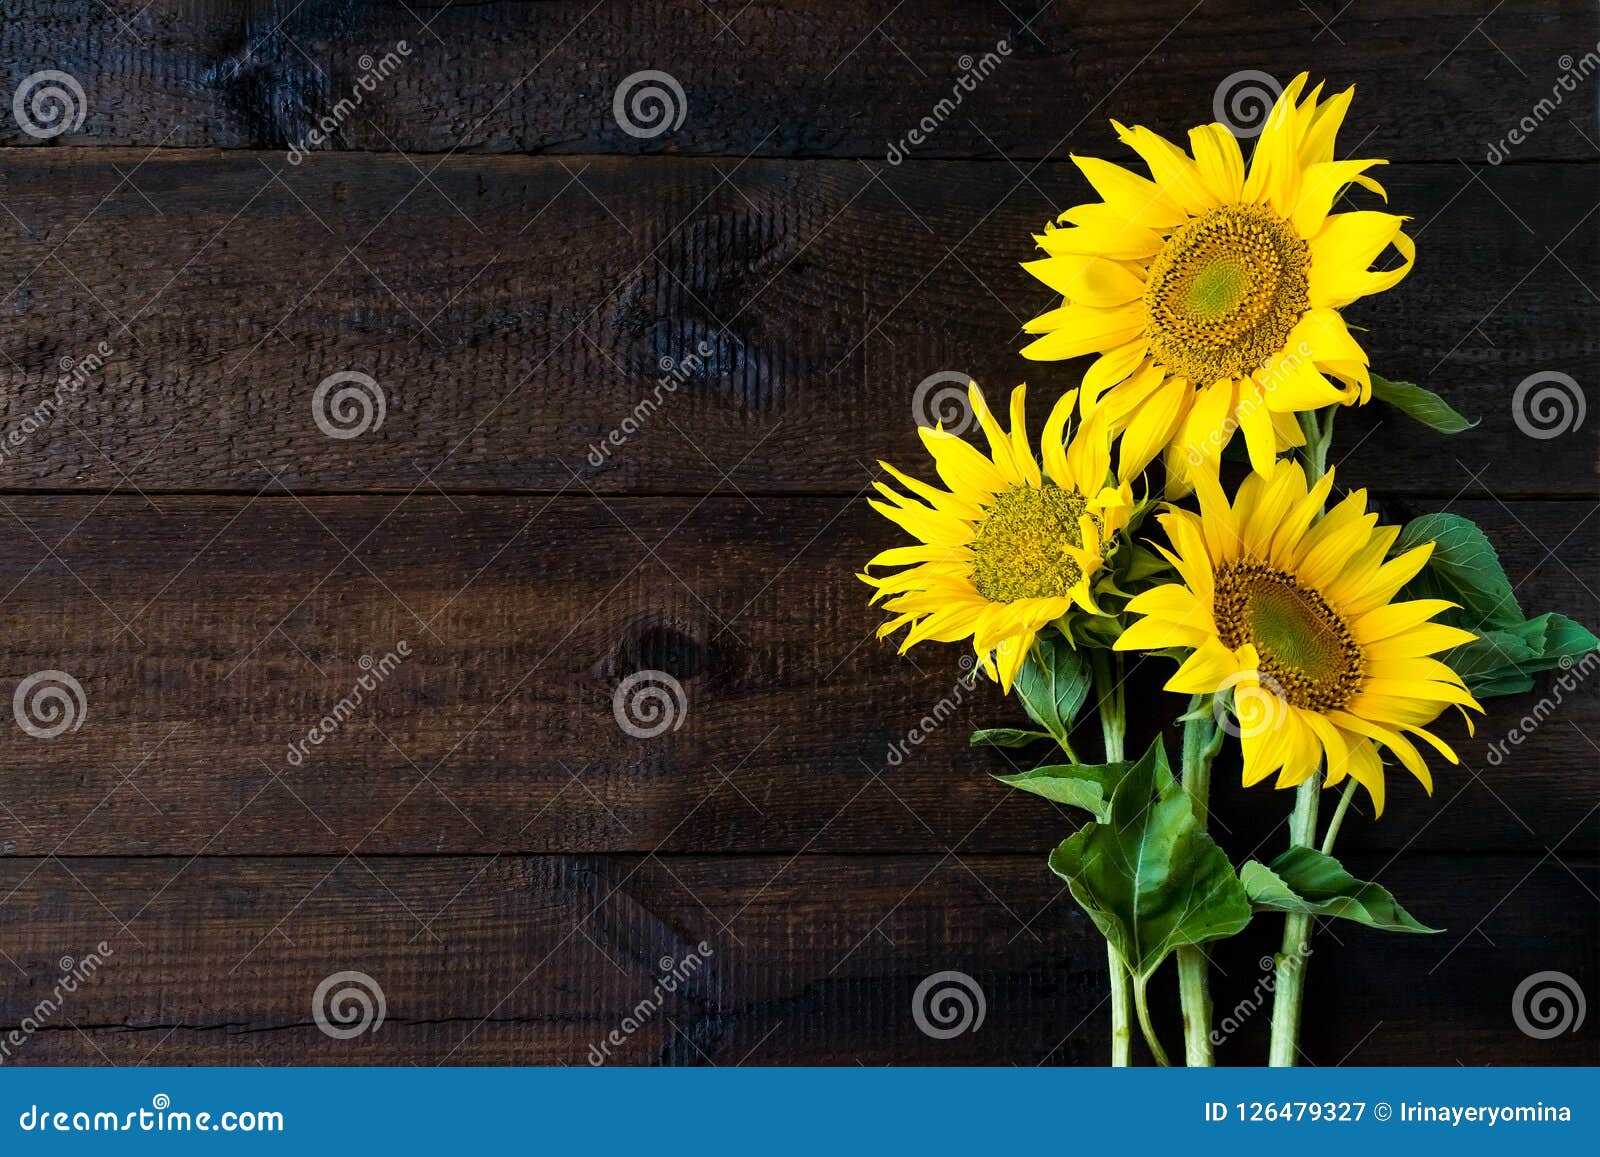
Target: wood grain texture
{"points": [[213, 634], [1439, 79], [813, 960], [759, 328]]}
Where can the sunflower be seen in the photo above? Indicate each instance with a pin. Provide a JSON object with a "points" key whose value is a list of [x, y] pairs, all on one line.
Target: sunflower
{"points": [[1007, 548], [1291, 610], [1211, 293]]}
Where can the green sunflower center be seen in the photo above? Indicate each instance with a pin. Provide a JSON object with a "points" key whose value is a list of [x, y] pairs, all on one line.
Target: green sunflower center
{"points": [[1308, 655], [1224, 293], [1019, 550]]}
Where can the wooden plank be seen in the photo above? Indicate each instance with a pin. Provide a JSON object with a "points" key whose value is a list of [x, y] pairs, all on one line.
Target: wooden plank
{"points": [[212, 635], [814, 959], [761, 327], [1438, 80]]}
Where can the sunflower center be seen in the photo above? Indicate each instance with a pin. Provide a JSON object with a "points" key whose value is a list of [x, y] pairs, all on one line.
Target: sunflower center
{"points": [[1224, 293], [1308, 655], [1019, 551]]}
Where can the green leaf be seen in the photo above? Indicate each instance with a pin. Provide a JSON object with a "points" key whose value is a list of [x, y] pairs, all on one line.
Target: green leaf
{"points": [[1097, 632], [1495, 662], [1053, 683], [1420, 403], [1142, 564], [1086, 785], [1503, 661], [1306, 880], [1464, 569], [1006, 737], [1509, 650], [1148, 876]]}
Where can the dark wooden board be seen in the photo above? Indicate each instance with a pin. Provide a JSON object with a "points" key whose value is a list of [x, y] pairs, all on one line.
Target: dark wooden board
{"points": [[813, 960], [516, 313], [211, 633], [1438, 79]]}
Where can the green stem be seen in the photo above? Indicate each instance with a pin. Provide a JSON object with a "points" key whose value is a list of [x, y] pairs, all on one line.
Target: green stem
{"points": [[1145, 1026], [1121, 998], [1113, 727], [1288, 990], [1338, 816], [1113, 710], [1201, 740], [1319, 436]]}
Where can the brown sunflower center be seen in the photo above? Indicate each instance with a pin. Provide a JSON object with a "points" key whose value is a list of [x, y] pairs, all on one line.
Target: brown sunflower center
{"points": [[1308, 655], [1019, 551], [1224, 293]]}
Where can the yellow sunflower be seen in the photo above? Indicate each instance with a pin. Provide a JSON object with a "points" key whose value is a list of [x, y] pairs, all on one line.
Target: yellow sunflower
{"points": [[1211, 293], [1291, 609], [1007, 548]]}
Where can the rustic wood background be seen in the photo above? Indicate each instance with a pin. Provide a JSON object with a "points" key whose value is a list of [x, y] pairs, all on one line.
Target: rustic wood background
{"points": [[482, 238]]}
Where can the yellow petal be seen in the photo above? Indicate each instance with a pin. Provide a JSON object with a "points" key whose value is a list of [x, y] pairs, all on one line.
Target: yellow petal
{"points": [[1052, 444], [1110, 369], [1170, 166], [1343, 251], [1088, 279], [1158, 634], [1208, 427], [1391, 576], [1021, 451], [1134, 198], [1320, 187], [939, 499], [1216, 155], [1089, 453], [1075, 330], [962, 467], [999, 442], [1394, 618], [1154, 423], [1096, 229], [1366, 768], [1205, 670], [1259, 438], [1428, 639]]}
